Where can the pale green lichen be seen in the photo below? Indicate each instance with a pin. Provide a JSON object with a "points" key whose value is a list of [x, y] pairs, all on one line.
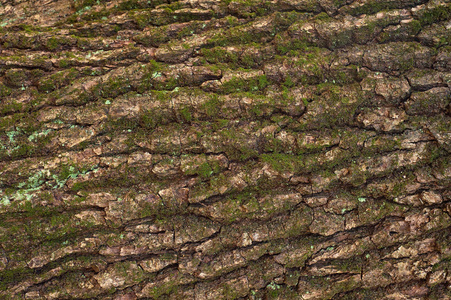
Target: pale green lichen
{"points": [[156, 74], [11, 135], [70, 172], [26, 194], [32, 137], [5, 200], [35, 180]]}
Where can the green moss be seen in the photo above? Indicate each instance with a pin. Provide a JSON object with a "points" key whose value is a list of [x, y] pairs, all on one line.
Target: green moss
{"points": [[155, 36], [322, 17], [10, 276], [147, 120], [194, 27], [436, 14], [212, 107], [299, 47], [333, 106], [254, 84], [4, 90], [229, 291], [352, 265], [45, 226], [135, 4], [436, 292], [142, 20], [21, 41], [434, 152], [150, 119], [22, 151], [57, 80], [186, 114], [125, 178], [170, 14], [283, 162], [165, 288], [343, 75], [152, 74], [241, 35], [219, 55], [205, 170], [113, 87], [64, 63], [410, 29], [79, 4], [288, 83], [234, 143], [52, 43], [372, 7], [16, 77]]}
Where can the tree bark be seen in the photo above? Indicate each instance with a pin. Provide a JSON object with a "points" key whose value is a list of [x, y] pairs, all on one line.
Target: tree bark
{"points": [[208, 149]]}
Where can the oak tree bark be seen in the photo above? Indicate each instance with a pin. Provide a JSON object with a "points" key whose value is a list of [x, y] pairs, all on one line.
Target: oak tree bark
{"points": [[225, 149]]}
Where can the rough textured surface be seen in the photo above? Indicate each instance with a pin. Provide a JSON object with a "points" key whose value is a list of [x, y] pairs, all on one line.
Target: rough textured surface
{"points": [[210, 149]]}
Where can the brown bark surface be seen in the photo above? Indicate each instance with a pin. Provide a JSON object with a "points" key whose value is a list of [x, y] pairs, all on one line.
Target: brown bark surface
{"points": [[225, 149]]}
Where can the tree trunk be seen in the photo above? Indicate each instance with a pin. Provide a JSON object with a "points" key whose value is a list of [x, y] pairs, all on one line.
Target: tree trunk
{"points": [[208, 149]]}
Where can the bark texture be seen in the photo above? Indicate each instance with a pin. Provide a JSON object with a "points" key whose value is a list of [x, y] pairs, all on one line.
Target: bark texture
{"points": [[208, 149]]}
